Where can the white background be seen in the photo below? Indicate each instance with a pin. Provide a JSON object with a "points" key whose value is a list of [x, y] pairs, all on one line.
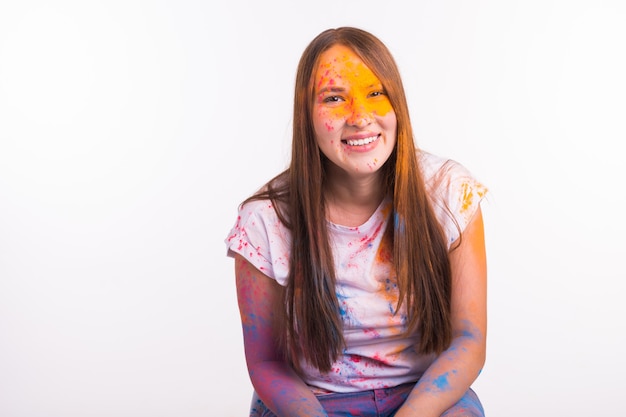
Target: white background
{"points": [[130, 131]]}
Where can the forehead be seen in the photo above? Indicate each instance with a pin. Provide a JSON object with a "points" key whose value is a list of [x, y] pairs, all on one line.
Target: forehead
{"points": [[339, 64], [338, 55]]}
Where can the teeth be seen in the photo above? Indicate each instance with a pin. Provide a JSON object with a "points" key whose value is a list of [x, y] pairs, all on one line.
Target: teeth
{"points": [[361, 142]]}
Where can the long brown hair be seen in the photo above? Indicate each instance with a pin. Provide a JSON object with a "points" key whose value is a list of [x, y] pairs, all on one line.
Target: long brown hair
{"points": [[310, 321]]}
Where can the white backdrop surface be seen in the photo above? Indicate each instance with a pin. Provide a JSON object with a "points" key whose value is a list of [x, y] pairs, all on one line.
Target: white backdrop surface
{"points": [[131, 130]]}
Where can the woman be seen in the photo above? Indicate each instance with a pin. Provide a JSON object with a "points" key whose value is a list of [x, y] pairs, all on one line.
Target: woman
{"points": [[360, 269]]}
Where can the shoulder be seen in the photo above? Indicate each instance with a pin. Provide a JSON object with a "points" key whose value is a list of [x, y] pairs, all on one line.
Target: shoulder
{"points": [[259, 209], [444, 174], [436, 168], [261, 238], [455, 192], [261, 206]]}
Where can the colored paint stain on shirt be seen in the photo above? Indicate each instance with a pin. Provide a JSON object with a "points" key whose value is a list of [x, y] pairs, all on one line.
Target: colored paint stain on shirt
{"points": [[385, 253], [468, 192], [378, 353]]}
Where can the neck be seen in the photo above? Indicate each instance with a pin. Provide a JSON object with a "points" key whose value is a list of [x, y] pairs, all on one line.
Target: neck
{"points": [[352, 201]]}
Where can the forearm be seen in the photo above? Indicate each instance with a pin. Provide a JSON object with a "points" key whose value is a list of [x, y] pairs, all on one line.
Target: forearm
{"points": [[276, 384], [446, 380], [449, 377], [283, 391]]}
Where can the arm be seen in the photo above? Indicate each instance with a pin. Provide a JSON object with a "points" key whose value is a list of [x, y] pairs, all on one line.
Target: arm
{"points": [[274, 381], [453, 372]]}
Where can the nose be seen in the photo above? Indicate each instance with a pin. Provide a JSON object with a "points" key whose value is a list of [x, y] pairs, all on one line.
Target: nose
{"points": [[358, 115]]}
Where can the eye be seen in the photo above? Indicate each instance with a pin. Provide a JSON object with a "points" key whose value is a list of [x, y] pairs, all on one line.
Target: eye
{"points": [[377, 93], [332, 99]]}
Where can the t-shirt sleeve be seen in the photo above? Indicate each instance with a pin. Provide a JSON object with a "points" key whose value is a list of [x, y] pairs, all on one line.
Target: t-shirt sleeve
{"points": [[457, 195], [261, 238]]}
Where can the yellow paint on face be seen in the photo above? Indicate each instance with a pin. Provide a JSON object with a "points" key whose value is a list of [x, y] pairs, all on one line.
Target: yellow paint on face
{"points": [[347, 88]]}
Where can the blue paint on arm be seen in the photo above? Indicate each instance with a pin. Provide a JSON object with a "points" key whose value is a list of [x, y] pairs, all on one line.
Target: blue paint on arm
{"points": [[441, 382], [468, 334]]}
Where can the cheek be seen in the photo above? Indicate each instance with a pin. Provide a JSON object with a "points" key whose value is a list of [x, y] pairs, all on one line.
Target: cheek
{"points": [[338, 114], [389, 121], [326, 120], [380, 108]]}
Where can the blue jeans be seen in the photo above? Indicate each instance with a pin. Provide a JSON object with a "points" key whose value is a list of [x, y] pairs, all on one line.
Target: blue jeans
{"points": [[376, 403]]}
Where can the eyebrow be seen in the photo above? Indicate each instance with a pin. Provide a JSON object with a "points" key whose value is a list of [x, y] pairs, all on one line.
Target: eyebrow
{"points": [[332, 89], [338, 89]]}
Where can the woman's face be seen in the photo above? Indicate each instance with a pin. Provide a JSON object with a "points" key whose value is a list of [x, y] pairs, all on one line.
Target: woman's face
{"points": [[355, 125]]}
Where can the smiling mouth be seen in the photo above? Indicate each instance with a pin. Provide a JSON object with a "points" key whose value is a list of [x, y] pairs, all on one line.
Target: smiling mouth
{"points": [[359, 142]]}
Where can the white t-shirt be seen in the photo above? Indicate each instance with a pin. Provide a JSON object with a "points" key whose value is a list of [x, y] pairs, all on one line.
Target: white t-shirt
{"points": [[377, 354]]}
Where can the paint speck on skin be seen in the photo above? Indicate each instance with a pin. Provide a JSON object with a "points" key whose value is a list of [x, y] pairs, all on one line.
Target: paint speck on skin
{"points": [[373, 165], [468, 334], [441, 382], [469, 331]]}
